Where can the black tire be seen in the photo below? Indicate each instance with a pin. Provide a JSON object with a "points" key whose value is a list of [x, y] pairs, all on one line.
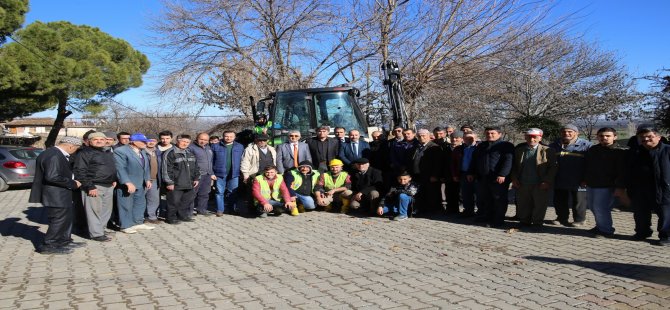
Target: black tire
{"points": [[3, 185]]}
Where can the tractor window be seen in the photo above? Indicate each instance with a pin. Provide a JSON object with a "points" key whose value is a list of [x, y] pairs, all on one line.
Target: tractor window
{"points": [[291, 112], [336, 110]]}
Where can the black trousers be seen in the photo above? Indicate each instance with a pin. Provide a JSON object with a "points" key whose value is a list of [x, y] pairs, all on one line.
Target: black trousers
{"points": [[180, 204], [566, 200], [453, 191], [429, 197], [492, 200], [644, 204], [60, 227]]}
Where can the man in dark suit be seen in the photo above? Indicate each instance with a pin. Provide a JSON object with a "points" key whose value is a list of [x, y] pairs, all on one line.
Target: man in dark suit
{"points": [[322, 148], [292, 152], [354, 149], [425, 165], [52, 187]]}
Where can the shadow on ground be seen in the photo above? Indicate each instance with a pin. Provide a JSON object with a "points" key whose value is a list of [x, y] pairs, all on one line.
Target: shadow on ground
{"points": [[12, 227], [648, 273]]}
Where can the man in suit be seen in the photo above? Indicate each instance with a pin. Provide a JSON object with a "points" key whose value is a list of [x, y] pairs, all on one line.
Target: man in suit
{"points": [[52, 187], [425, 165], [292, 152], [322, 148], [134, 177], [354, 149], [532, 175]]}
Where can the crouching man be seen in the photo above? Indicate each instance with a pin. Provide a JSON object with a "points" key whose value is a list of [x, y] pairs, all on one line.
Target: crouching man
{"points": [[399, 198], [271, 194], [301, 182], [334, 188]]}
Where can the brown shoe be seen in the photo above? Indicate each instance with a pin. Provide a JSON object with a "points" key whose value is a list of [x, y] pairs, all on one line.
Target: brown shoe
{"points": [[152, 221], [219, 214]]}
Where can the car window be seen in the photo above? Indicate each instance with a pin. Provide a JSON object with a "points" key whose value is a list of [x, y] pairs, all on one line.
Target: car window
{"points": [[25, 154]]}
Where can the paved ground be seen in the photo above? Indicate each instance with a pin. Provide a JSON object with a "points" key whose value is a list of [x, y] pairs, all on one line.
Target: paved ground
{"points": [[319, 260]]}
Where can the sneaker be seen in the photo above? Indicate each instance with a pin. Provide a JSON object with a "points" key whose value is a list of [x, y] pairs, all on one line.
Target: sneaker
{"points": [[295, 211], [219, 214], [129, 230], [143, 227], [263, 215], [206, 213], [400, 217]]}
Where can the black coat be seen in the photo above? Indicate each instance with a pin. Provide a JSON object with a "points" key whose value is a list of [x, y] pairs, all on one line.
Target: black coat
{"points": [[332, 148], [53, 183], [656, 181], [94, 166], [492, 159], [371, 180], [430, 163]]}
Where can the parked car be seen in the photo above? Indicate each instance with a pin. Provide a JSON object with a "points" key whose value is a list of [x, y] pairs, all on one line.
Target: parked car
{"points": [[17, 165]]}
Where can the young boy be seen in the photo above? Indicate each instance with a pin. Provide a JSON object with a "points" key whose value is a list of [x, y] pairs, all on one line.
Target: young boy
{"points": [[399, 198]]}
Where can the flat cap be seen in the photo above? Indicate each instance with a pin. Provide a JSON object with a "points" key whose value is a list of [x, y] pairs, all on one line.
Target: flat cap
{"points": [[361, 161], [534, 132], [71, 140], [457, 134], [96, 134], [262, 137]]}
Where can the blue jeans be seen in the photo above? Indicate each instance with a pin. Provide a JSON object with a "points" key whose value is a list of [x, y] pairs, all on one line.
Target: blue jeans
{"points": [[398, 206], [601, 201], [226, 190], [307, 201], [468, 190]]}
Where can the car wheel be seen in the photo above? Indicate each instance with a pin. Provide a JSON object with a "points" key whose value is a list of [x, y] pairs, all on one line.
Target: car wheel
{"points": [[3, 185]]}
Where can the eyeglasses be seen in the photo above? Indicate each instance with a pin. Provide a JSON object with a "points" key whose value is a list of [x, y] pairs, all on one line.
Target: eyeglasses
{"points": [[294, 135]]}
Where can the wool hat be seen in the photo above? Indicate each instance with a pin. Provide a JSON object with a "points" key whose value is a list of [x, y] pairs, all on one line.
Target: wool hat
{"points": [[305, 163], [572, 127]]}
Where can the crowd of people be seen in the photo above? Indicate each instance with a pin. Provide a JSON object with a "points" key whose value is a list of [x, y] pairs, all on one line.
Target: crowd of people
{"points": [[131, 182]]}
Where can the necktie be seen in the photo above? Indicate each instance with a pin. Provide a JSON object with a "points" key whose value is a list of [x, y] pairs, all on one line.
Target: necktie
{"points": [[295, 155], [355, 146], [67, 157]]}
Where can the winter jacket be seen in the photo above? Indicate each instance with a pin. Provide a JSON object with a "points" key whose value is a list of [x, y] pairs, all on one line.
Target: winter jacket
{"points": [[93, 166], [410, 189], [220, 157], [492, 159], [636, 181], [366, 183], [605, 166], [570, 163], [251, 159], [179, 168], [203, 156]]}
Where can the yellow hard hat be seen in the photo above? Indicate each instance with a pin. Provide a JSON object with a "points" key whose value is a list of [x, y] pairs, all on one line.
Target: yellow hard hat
{"points": [[335, 162]]}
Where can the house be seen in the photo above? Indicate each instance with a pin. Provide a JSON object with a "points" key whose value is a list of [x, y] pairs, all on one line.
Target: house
{"points": [[40, 126]]}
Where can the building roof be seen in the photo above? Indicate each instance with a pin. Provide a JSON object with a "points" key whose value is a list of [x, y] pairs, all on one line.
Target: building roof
{"points": [[34, 121]]}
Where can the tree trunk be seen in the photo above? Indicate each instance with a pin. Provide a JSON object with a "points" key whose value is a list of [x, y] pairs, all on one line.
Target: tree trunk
{"points": [[58, 124]]}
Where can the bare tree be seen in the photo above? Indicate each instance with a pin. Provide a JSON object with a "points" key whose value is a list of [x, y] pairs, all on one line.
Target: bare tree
{"points": [[222, 52]]}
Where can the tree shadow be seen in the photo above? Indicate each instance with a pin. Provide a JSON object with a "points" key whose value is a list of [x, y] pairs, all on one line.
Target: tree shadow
{"points": [[12, 227], [648, 273]]}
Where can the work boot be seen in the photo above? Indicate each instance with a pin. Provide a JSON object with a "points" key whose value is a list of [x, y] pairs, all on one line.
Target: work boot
{"points": [[345, 206], [295, 212], [301, 208]]}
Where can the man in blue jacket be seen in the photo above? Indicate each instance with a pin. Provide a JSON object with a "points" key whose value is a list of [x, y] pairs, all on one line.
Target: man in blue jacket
{"points": [[354, 149], [568, 192], [226, 157], [648, 176]]}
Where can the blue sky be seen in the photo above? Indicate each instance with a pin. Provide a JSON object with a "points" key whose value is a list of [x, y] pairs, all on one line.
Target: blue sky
{"points": [[635, 30]]}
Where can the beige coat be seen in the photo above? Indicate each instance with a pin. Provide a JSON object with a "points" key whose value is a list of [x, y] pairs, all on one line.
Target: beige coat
{"points": [[251, 159]]}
